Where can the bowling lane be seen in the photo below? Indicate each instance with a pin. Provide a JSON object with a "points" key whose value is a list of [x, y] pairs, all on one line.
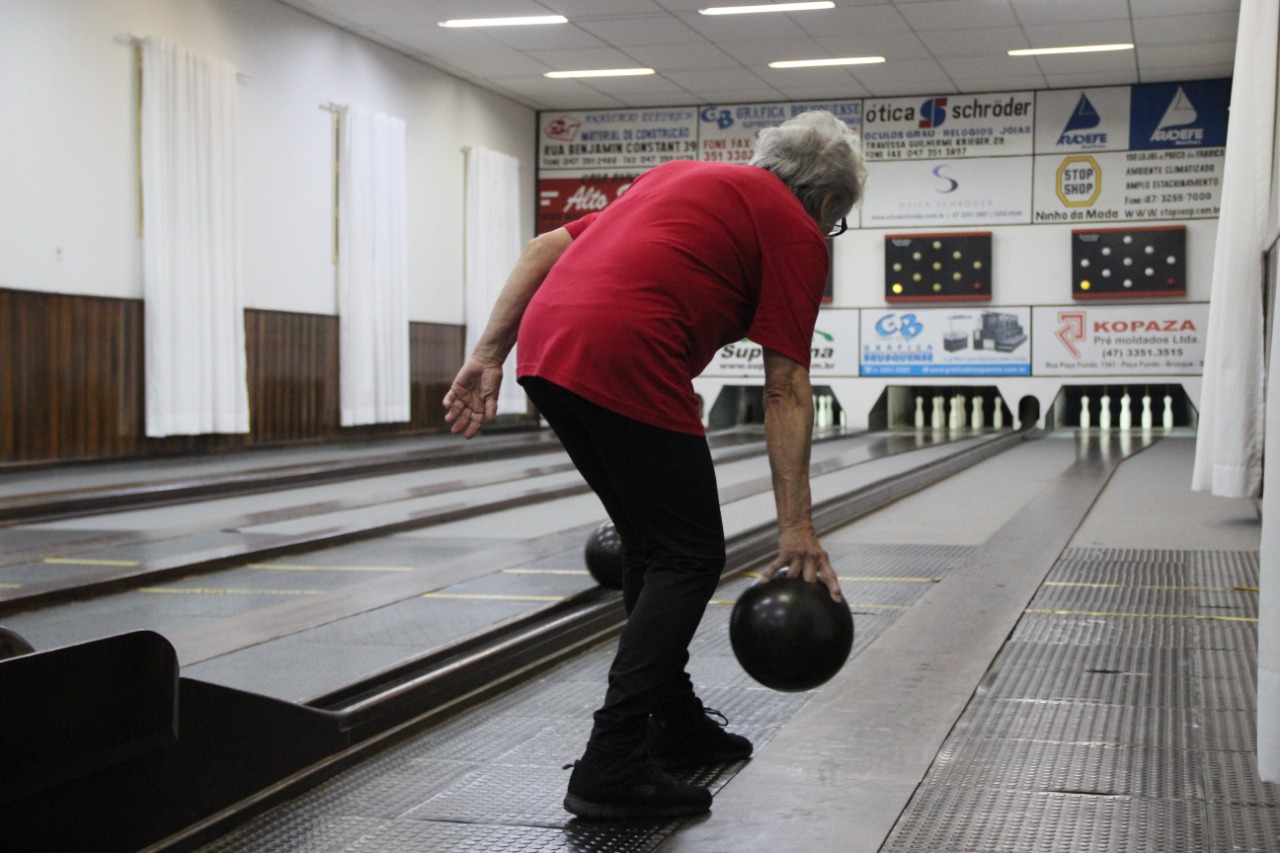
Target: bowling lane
{"points": [[501, 564]]}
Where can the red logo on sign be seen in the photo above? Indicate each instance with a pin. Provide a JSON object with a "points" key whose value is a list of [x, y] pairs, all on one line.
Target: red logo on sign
{"points": [[563, 129]]}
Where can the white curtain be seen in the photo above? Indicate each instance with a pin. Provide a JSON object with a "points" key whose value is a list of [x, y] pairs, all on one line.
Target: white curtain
{"points": [[373, 291], [493, 244], [1269, 597], [194, 311], [1230, 435]]}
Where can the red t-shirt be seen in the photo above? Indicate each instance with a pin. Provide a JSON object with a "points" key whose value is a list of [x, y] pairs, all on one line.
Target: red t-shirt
{"points": [[692, 257]]}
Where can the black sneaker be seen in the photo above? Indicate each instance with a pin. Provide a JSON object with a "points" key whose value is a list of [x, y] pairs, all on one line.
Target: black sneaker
{"points": [[694, 736], [630, 789]]}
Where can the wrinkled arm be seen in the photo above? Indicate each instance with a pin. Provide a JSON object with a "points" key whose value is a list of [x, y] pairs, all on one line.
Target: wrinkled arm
{"points": [[788, 426], [472, 400]]}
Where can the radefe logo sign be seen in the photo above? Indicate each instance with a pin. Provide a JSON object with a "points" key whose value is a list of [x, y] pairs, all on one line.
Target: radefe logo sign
{"points": [[1176, 125], [1083, 117]]}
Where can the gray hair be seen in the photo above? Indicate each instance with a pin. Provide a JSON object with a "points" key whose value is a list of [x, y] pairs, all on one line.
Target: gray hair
{"points": [[816, 155]]}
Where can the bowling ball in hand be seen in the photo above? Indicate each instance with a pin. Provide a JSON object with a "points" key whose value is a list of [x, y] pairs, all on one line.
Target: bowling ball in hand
{"points": [[789, 634], [604, 556]]}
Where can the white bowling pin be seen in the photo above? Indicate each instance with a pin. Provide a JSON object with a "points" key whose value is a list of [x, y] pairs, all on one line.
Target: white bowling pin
{"points": [[919, 412], [1104, 414], [1146, 411], [977, 419], [1085, 421], [1168, 412], [1126, 416], [939, 417], [997, 417]]}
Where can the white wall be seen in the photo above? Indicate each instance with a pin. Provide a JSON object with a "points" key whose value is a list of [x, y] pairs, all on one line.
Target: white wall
{"points": [[68, 170]]}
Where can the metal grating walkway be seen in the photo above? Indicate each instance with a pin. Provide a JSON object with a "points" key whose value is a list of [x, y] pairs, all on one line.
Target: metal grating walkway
{"points": [[1119, 717]]}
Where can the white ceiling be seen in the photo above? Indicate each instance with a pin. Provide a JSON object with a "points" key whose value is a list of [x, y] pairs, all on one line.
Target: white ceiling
{"points": [[932, 46]]}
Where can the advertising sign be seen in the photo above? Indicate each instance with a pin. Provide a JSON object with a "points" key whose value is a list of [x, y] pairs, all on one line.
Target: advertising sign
{"points": [[727, 133], [1081, 120], [1179, 115], [1120, 340], [607, 140], [949, 126], [563, 199], [1124, 186], [834, 352], [923, 193], [946, 342]]}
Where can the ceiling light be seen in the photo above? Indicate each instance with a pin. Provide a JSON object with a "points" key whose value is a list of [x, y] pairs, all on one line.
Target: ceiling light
{"points": [[775, 7], [1084, 48], [505, 22], [813, 63], [601, 72]]}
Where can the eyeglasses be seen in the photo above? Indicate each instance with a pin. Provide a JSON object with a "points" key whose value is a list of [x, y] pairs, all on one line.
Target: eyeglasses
{"points": [[839, 228]]}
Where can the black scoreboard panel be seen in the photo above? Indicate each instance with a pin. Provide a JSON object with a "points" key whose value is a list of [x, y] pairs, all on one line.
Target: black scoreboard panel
{"points": [[1119, 263], [949, 267]]}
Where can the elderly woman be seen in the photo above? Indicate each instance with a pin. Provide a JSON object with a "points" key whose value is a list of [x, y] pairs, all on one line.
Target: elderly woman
{"points": [[615, 314]]}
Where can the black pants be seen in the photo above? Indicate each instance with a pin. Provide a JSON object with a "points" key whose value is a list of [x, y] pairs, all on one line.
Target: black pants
{"points": [[659, 488]]}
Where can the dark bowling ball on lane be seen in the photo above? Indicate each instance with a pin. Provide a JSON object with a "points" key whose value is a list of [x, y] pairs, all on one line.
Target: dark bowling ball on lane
{"points": [[12, 644], [604, 556], [790, 635]]}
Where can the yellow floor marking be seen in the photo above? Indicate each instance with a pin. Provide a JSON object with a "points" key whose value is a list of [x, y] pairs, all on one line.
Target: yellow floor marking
{"points": [[1146, 615], [200, 590], [291, 567], [493, 597], [10, 586], [1140, 586], [545, 571], [76, 561]]}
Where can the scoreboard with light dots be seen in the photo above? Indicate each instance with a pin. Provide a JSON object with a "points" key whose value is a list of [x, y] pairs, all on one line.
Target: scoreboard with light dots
{"points": [[951, 267], [1120, 263]]}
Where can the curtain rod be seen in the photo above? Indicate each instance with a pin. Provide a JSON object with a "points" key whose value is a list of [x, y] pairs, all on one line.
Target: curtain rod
{"points": [[134, 40]]}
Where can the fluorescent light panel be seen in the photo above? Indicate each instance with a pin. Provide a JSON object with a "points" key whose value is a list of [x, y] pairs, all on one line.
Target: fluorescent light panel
{"points": [[601, 72], [774, 7], [815, 63], [505, 22], [1084, 48]]}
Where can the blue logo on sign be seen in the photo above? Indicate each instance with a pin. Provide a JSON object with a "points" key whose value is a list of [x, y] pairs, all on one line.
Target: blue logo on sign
{"points": [[933, 113], [889, 325], [1083, 117], [723, 118], [1179, 115], [952, 183]]}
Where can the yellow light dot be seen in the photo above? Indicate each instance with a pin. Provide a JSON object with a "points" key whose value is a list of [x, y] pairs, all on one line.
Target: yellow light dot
{"points": [[917, 277], [1085, 285], [937, 244], [977, 265], [897, 288], [937, 288], [937, 265], [897, 267], [956, 255], [955, 276]]}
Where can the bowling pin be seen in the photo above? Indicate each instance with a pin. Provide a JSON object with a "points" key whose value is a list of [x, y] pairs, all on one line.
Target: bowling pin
{"points": [[997, 416], [976, 420], [919, 412], [843, 420], [1104, 414], [1126, 416], [1146, 411], [1168, 412], [939, 418], [1085, 422]]}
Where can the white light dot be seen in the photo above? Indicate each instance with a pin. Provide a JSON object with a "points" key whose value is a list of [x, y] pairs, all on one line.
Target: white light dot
{"points": [[1150, 250], [1149, 271], [1106, 273], [1128, 262], [1128, 282], [1171, 260], [1128, 238], [937, 244], [1106, 250], [915, 256]]}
